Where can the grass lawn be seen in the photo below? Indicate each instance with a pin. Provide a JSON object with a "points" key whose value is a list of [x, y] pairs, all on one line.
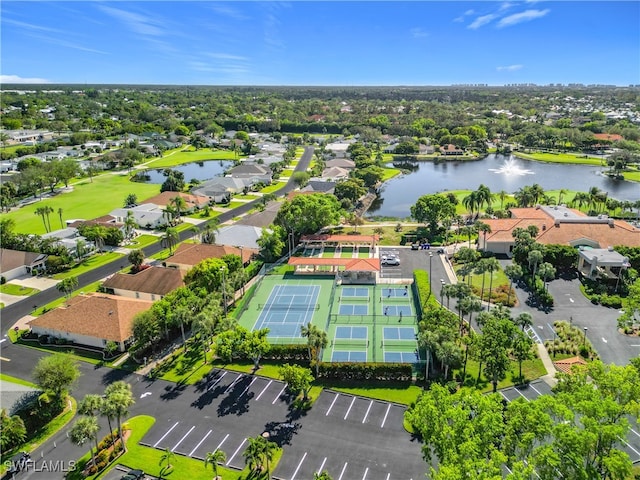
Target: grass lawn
{"points": [[178, 157], [42, 435], [231, 205], [19, 381], [246, 197], [575, 158], [184, 368], [87, 200], [148, 459], [273, 187], [142, 241], [401, 393], [531, 369], [92, 287], [328, 252], [269, 370], [499, 278], [390, 172], [90, 263], [13, 289], [633, 176]]}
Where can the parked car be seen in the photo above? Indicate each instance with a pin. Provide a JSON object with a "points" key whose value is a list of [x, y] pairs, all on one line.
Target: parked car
{"points": [[133, 475], [415, 246], [390, 260]]}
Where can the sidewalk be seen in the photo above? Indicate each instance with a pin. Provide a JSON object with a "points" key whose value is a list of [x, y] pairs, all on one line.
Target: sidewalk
{"points": [[550, 377]]}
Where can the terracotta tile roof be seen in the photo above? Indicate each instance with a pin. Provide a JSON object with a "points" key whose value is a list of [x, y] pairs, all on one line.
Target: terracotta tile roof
{"points": [[531, 213], [10, 259], [194, 253], [325, 237], [155, 280], [101, 316], [566, 364], [164, 199], [352, 264], [612, 137]]}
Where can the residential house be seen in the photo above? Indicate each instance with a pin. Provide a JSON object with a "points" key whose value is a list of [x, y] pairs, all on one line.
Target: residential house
{"points": [[150, 283], [193, 202], [69, 238], [254, 172], [451, 149], [316, 185], [264, 218], [189, 254], [14, 263], [220, 189], [561, 226], [335, 174], [92, 320], [107, 221], [341, 163], [147, 215], [598, 263], [239, 236]]}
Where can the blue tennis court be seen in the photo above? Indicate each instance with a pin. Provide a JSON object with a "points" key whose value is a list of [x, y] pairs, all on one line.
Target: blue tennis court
{"points": [[348, 356], [355, 293], [349, 309], [395, 292], [397, 310], [401, 357], [360, 333], [399, 333], [287, 308]]}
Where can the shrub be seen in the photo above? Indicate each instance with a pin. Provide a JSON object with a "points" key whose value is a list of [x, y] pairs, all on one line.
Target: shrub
{"points": [[3, 280], [365, 371]]}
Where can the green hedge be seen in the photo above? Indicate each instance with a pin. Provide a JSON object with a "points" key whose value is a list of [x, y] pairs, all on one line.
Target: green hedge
{"points": [[365, 371], [298, 352]]}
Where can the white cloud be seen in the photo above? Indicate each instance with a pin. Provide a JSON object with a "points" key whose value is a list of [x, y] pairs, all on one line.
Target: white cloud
{"points": [[18, 79], [30, 26], [418, 33], [141, 24], [465, 14], [525, 16], [227, 11], [226, 56], [509, 68], [481, 21]]}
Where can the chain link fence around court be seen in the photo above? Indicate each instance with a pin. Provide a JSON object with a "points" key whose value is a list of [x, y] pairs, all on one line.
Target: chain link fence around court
{"points": [[377, 319]]}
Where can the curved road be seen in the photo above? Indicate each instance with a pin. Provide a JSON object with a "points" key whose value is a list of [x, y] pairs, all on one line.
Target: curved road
{"points": [[12, 313]]}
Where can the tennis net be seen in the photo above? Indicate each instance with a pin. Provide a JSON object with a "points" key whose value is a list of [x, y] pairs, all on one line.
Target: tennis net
{"points": [[401, 344], [350, 343], [347, 299], [285, 307]]}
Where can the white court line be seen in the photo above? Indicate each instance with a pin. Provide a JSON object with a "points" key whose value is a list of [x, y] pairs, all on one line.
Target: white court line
{"points": [[385, 416], [365, 473], [248, 387], [168, 432], [535, 389], [342, 472], [367, 414], [233, 383], [223, 440], [264, 390], [388, 476], [322, 466], [200, 442], [278, 396], [522, 395], [236, 452], [299, 465], [180, 441], [217, 381], [334, 401], [349, 409]]}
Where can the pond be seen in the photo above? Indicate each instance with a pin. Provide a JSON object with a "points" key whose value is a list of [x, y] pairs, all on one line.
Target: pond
{"points": [[201, 171], [498, 172]]}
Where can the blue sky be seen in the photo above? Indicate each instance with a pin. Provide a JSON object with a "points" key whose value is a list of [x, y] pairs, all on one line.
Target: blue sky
{"points": [[320, 43]]}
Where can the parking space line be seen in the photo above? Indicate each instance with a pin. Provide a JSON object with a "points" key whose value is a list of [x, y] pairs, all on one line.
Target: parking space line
{"points": [[264, 390], [236, 452], [504, 396], [180, 441], [388, 476], [217, 381], [322, 466], [334, 401], [342, 472], [385, 416], [167, 433], [366, 470], [200, 442], [637, 434], [349, 409], [522, 394], [278, 396], [367, 414], [248, 387], [535, 389], [233, 383], [299, 465], [633, 449], [223, 440]]}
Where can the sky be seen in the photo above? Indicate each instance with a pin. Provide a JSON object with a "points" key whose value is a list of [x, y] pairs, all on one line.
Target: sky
{"points": [[320, 43]]}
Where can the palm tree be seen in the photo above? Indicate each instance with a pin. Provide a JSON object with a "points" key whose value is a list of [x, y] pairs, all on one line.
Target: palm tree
{"points": [[491, 265], [523, 320], [119, 395], [502, 195], [213, 459], [166, 458], [320, 341], [60, 216], [91, 406], [485, 197], [99, 234], [253, 453], [308, 331], [209, 231], [481, 269], [484, 229], [179, 204], [561, 193], [427, 340], [40, 211], [47, 211], [67, 286], [85, 430], [534, 258], [449, 354], [513, 272], [170, 238], [471, 202], [130, 225]]}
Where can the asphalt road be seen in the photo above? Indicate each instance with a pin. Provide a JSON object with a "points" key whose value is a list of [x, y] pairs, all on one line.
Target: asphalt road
{"points": [[11, 313]]}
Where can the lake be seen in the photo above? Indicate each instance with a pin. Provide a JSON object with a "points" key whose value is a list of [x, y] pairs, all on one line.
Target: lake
{"points": [[198, 170], [498, 172]]}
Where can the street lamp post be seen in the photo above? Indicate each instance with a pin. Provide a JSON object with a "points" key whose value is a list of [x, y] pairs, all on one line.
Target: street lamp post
{"points": [[224, 291], [430, 277], [243, 272], [442, 292], [584, 340]]}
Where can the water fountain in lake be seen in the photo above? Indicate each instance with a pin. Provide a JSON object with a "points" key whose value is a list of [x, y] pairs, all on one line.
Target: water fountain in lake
{"points": [[510, 167]]}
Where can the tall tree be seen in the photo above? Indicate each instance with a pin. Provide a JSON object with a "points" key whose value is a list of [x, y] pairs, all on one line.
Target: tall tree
{"points": [[120, 398], [170, 238], [56, 374], [85, 430], [67, 286], [214, 458]]}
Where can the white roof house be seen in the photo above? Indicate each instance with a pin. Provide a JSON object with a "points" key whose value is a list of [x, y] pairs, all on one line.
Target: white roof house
{"points": [[147, 215]]}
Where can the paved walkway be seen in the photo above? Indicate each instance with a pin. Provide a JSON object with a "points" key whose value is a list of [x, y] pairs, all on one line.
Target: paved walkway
{"points": [[40, 283]]}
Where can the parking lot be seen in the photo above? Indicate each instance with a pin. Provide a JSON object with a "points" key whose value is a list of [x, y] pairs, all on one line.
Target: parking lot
{"points": [[350, 437], [630, 445]]}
